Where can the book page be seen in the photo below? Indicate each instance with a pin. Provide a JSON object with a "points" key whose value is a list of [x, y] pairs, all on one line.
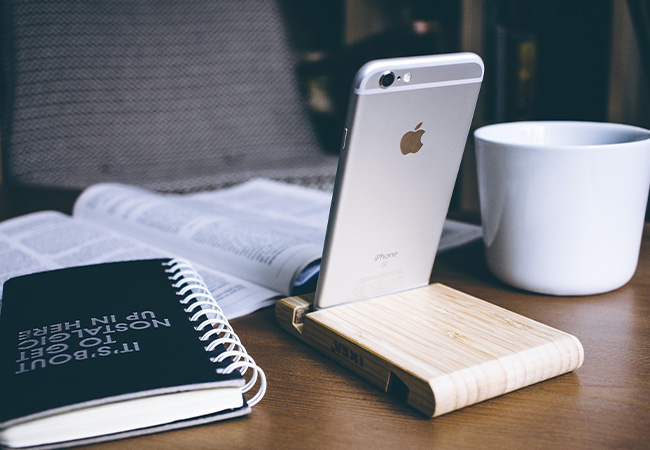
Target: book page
{"points": [[51, 240], [240, 238], [309, 207], [455, 234]]}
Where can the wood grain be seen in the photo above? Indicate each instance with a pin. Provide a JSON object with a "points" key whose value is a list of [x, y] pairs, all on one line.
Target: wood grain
{"points": [[447, 348], [312, 402]]}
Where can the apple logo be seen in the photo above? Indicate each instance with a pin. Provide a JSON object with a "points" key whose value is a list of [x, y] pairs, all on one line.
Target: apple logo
{"points": [[412, 141]]}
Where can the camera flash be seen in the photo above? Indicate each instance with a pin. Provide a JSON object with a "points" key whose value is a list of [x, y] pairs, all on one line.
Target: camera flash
{"points": [[407, 77]]}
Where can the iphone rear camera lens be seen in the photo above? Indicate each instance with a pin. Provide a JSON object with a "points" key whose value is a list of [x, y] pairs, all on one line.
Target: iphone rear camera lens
{"points": [[387, 79]]}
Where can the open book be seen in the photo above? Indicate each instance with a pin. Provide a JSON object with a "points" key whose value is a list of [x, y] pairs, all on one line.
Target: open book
{"points": [[251, 243]]}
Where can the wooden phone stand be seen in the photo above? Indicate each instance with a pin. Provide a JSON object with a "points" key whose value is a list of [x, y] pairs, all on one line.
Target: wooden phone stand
{"points": [[444, 348]]}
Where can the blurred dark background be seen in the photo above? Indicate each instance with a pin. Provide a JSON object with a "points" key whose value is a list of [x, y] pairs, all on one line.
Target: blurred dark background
{"points": [[545, 60]]}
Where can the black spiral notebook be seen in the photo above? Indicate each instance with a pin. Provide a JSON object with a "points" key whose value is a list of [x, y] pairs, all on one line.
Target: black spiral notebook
{"points": [[102, 352]]}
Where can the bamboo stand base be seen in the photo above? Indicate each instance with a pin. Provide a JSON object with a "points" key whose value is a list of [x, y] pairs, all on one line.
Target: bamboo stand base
{"points": [[443, 348]]}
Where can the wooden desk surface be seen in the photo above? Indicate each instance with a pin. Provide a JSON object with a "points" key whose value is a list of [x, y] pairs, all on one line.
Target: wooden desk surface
{"points": [[311, 402]]}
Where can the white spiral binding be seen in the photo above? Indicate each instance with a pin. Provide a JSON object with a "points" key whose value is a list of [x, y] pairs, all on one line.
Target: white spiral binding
{"points": [[190, 287]]}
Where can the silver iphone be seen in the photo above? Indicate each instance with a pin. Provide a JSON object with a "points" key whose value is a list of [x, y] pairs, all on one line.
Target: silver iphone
{"points": [[406, 129]]}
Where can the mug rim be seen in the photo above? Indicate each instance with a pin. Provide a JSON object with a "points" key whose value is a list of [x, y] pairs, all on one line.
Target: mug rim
{"points": [[635, 134]]}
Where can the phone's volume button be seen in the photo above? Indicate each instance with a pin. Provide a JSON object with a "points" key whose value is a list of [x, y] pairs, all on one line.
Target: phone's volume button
{"points": [[345, 138]]}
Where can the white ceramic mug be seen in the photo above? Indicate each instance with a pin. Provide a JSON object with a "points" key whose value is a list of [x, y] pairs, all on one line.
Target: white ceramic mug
{"points": [[563, 203]]}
